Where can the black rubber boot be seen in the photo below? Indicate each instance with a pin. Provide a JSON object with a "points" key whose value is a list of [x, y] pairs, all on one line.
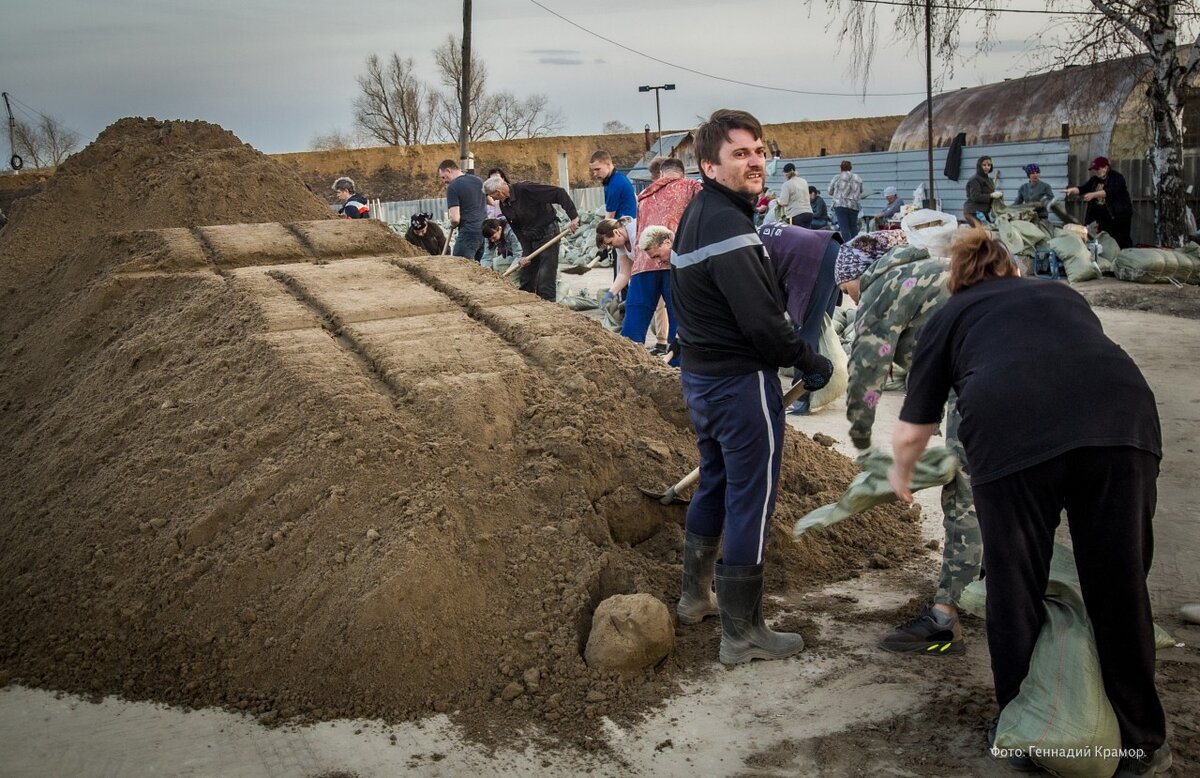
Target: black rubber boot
{"points": [[744, 634], [699, 557]]}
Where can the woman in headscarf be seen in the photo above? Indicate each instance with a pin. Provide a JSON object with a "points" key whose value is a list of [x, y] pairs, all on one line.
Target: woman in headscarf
{"points": [[425, 234], [1035, 191]]}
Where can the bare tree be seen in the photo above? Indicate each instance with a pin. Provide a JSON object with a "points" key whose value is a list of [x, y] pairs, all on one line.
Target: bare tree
{"points": [[334, 140], [393, 105], [447, 58], [46, 143], [1151, 29], [529, 118], [613, 126]]}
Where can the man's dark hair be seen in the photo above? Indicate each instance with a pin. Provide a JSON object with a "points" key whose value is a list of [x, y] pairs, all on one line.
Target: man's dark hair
{"points": [[671, 163], [600, 156], [710, 135], [846, 165], [490, 226], [813, 190], [789, 168], [448, 164]]}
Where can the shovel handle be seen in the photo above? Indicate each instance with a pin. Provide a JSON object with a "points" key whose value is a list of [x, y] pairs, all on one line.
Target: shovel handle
{"points": [[449, 235], [689, 480], [684, 483], [540, 249]]}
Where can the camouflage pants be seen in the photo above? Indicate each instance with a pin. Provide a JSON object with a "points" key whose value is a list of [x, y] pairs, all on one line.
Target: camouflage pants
{"points": [[962, 552]]}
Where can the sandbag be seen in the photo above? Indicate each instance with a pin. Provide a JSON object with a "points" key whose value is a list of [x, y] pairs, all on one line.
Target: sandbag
{"points": [[580, 301], [936, 467], [1158, 266], [1109, 249], [1075, 257], [1062, 708], [831, 348]]}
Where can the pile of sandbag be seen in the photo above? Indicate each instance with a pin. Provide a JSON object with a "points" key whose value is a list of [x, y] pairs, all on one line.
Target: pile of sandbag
{"points": [[1159, 266], [1025, 236], [579, 248]]}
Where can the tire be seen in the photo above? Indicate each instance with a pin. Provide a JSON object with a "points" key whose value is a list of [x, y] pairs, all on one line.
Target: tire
{"points": [[16, 162]]}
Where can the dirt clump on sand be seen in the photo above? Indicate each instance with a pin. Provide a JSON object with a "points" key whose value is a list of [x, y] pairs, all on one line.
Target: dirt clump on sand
{"points": [[287, 468]]}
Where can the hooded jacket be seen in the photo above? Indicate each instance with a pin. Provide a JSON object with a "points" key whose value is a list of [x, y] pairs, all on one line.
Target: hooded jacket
{"points": [[979, 190], [899, 294], [726, 292]]}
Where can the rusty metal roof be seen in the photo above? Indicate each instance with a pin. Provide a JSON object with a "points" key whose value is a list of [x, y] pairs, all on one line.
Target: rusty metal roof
{"points": [[1089, 98]]}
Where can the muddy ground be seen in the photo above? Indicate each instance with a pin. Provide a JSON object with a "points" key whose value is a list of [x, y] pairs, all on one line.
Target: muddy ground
{"points": [[843, 708]]}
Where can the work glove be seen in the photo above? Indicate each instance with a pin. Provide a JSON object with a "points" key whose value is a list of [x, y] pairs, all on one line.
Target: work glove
{"points": [[607, 298], [997, 195], [819, 371]]}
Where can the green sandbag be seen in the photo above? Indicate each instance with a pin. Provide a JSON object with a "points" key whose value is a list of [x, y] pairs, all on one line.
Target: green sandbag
{"points": [[1157, 266], [936, 467], [1108, 252], [1061, 717], [580, 302], [1076, 258]]}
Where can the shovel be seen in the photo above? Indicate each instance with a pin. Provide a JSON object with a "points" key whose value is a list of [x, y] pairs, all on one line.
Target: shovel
{"points": [[449, 235], [578, 270], [671, 496], [539, 250]]}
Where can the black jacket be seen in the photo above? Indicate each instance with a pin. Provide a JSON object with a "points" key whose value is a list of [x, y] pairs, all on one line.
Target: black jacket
{"points": [[979, 191], [433, 242], [529, 210], [726, 292], [1117, 202]]}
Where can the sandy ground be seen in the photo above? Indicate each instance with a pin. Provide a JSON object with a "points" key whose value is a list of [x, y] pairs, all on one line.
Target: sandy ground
{"points": [[842, 708]]}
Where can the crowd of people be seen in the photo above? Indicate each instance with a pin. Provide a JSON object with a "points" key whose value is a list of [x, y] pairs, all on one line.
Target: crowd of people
{"points": [[742, 296]]}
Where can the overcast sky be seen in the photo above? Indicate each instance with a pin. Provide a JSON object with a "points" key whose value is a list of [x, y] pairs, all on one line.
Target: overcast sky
{"points": [[278, 73]]}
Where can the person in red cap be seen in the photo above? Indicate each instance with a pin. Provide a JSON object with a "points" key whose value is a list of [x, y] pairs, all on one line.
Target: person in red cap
{"points": [[1108, 203]]}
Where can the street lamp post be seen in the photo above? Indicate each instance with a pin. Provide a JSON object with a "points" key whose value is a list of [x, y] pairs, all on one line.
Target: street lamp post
{"points": [[657, 108]]}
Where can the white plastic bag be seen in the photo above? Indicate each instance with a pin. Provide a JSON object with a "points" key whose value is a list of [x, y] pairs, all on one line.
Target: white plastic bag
{"points": [[926, 228]]}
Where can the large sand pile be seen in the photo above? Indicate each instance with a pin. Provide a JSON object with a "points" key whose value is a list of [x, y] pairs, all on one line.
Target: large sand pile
{"points": [[287, 468]]}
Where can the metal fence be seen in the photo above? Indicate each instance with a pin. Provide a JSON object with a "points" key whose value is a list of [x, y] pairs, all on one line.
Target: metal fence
{"points": [[398, 212], [905, 170]]}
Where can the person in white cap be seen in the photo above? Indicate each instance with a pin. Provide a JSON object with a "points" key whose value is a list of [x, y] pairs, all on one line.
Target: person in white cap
{"points": [[884, 217]]}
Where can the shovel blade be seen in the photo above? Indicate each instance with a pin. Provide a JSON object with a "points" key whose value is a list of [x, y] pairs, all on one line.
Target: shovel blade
{"points": [[669, 497], [576, 270]]}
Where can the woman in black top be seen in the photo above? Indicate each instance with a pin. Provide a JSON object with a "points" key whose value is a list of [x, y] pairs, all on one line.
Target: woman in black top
{"points": [[1108, 203], [1054, 416]]}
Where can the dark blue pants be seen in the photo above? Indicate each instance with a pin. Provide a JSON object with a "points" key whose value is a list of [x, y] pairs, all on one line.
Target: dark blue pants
{"points": [[467, 244], [847, 221], [739, 431], [642, 300]]}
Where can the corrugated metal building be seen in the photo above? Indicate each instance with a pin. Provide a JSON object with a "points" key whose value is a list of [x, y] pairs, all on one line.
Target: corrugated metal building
{"points": [[1103, 106]]}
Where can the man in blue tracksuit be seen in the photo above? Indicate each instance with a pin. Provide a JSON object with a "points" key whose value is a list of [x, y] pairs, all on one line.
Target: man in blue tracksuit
{"points": [[733, 335], [620, 200]]}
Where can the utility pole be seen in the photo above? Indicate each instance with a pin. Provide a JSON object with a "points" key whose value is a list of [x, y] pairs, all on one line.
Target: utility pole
{"points": [[14, 161], [930, 197], [657, 109], [464, 154]]}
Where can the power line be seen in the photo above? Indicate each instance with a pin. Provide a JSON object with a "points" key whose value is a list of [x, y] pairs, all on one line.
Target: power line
{"points": [[1040, 12], [716, 77], [26, 109], [949, 7]]}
